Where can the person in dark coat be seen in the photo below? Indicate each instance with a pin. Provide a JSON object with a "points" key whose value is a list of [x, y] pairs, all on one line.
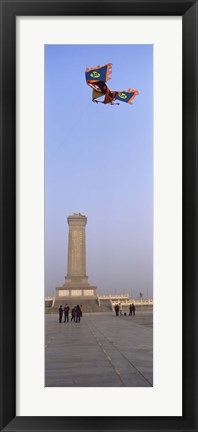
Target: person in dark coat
{"points": [[133, 309], [130, 309], [66, 313], [78, 313], [60, 311], [117, 309], [73, 313]]}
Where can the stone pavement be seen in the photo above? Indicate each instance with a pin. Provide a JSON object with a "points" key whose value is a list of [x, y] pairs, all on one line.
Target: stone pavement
{"points": [[100, 351]]}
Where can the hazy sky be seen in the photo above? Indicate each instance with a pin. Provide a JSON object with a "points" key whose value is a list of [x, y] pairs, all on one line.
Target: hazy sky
{"points": [[99, 162]]}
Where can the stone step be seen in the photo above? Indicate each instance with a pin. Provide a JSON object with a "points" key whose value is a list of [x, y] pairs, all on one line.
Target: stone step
{"points": [[87, 305]]}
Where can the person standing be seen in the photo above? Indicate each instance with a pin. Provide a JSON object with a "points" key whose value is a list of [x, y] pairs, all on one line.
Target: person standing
{"points": [[117, 309], [78, 313], [73, 311], [60, 311], [66, 313], [133, 309], [130, 309]]}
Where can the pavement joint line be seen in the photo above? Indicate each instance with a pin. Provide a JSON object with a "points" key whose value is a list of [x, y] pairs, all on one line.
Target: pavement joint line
{"points": [[122, 353], [135, 367], [108, 358]]}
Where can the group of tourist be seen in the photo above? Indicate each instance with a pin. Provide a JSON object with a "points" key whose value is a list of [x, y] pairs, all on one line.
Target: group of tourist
{"points": [[76, 313], [118, 309], [131, 309]]}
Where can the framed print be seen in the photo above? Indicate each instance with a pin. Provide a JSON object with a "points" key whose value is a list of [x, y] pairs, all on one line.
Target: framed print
{"points": [[98, 215]]}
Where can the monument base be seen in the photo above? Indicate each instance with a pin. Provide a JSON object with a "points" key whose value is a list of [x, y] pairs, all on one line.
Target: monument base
{"points": [[73, 295], [67, 292], [76, 286]]}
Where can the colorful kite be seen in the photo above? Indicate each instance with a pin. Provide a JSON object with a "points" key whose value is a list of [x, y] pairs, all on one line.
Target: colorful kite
{"points": [[97, 77]]}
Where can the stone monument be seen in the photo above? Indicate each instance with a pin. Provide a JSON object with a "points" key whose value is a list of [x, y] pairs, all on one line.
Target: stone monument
{"points": [[76, 282]]}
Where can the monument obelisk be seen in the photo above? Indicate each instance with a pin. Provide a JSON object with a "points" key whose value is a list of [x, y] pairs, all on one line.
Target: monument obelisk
{"points": [[76, 282], [76, 264]]}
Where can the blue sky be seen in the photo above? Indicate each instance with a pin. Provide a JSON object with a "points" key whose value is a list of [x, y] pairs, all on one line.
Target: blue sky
{"points": [[99, 162]]}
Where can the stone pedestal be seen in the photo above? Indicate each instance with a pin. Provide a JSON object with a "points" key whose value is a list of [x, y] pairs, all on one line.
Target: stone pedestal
{"points": [[76, 282]]}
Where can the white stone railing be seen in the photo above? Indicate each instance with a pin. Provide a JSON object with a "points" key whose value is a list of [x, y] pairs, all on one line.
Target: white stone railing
{"points": [[111, 297], [135, 302]]}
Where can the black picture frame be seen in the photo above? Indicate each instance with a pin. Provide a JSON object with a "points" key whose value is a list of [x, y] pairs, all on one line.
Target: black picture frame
{"points": [[9, 10]]}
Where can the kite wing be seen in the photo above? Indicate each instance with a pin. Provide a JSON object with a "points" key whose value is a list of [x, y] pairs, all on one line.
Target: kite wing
{"points": [[126, 96], [100, 73]]}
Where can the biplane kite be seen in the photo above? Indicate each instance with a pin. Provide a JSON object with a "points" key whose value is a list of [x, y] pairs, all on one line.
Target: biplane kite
{"points": [[97, 77]]}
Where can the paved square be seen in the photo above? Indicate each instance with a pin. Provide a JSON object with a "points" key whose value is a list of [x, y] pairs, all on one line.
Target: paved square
{"points": [[100, 351]]}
